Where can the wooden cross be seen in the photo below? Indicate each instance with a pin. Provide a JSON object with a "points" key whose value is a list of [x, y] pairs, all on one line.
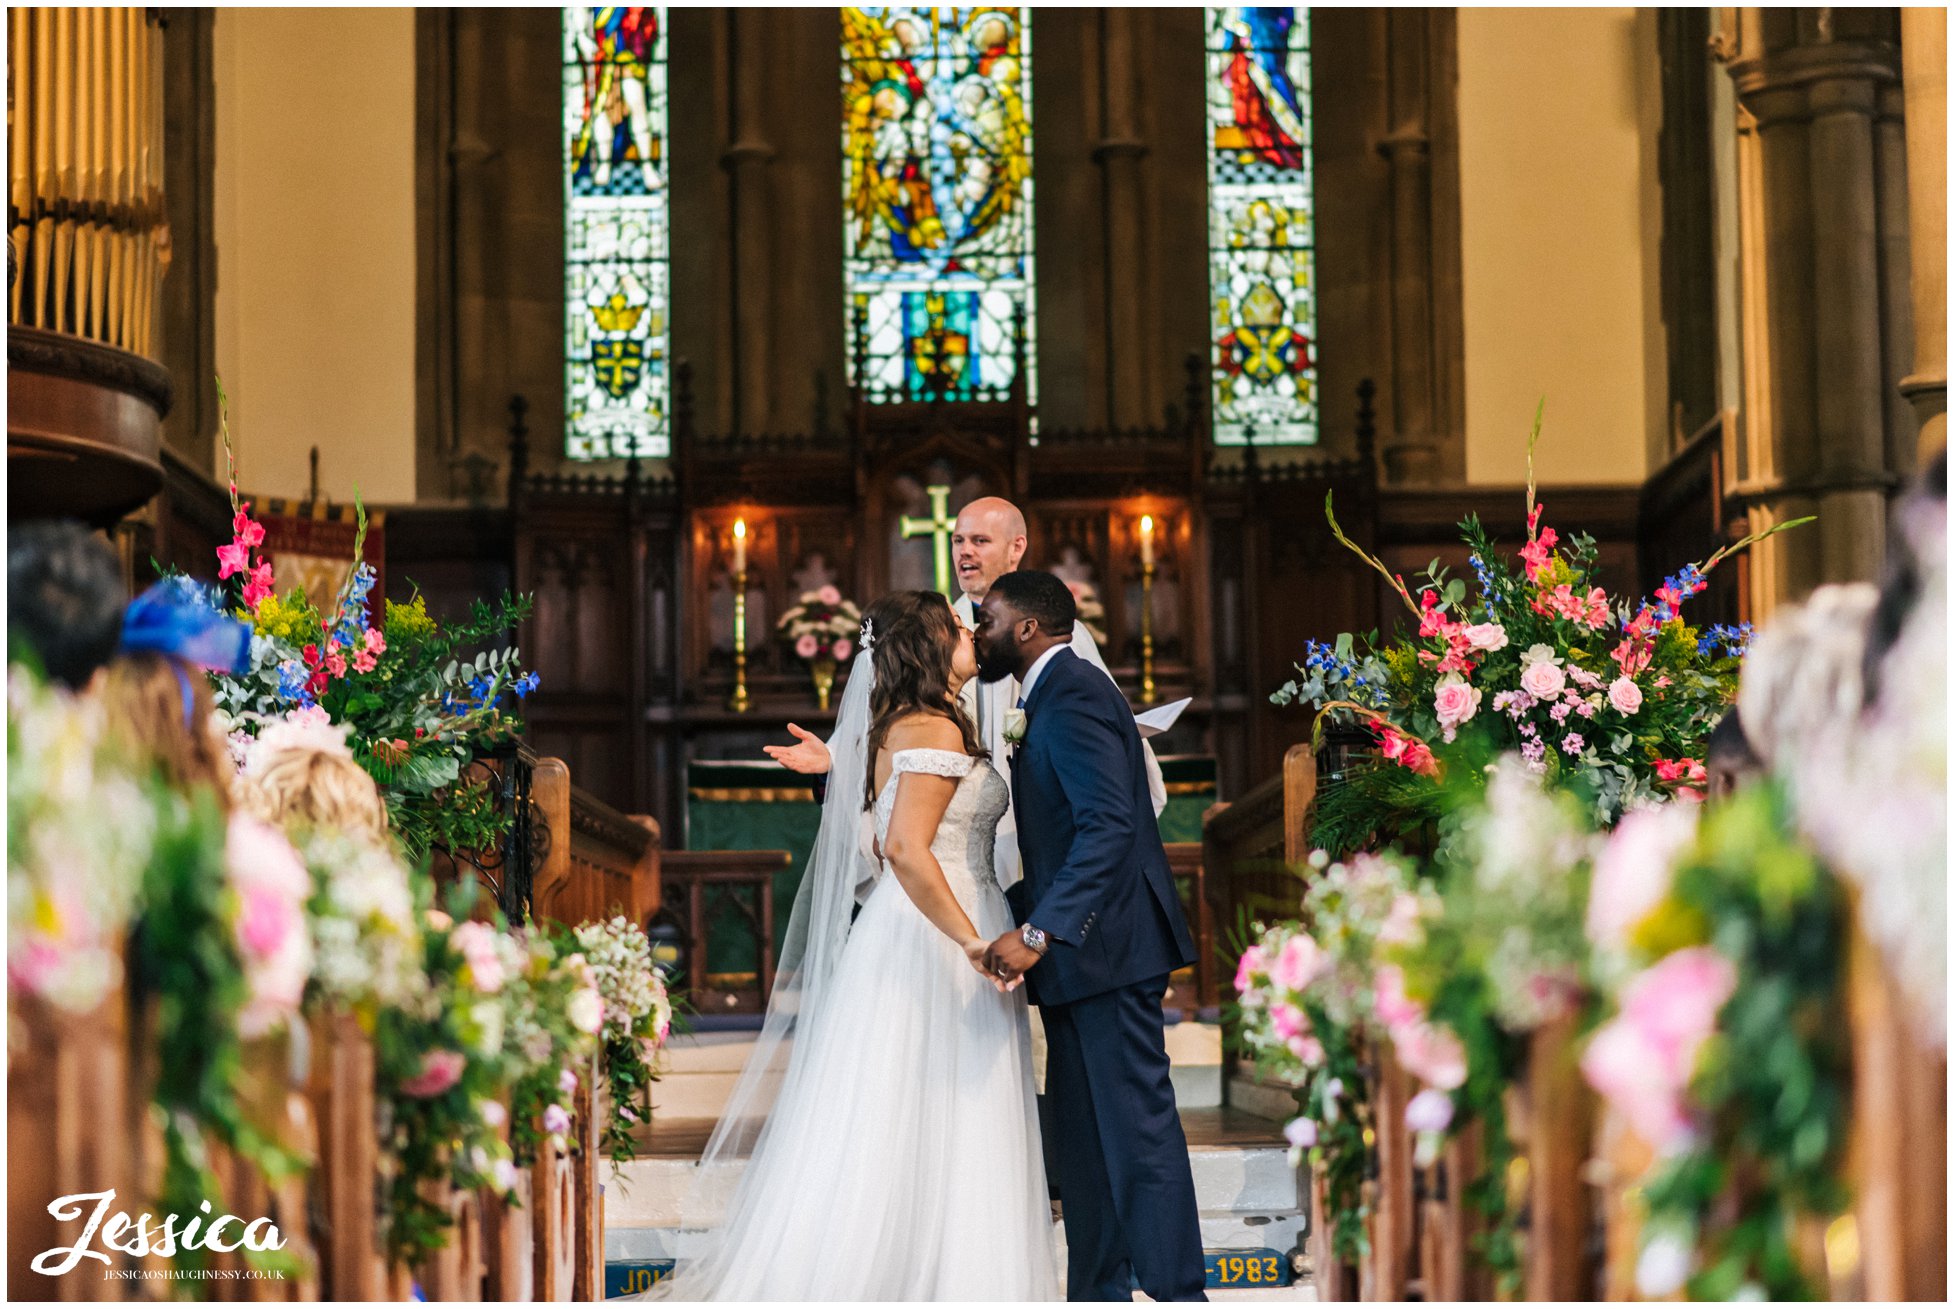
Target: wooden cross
{"points": [[937, 526]]}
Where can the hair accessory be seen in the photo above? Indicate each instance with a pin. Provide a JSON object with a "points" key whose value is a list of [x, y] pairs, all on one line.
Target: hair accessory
{"points": [[176, 617], [868, 634]]}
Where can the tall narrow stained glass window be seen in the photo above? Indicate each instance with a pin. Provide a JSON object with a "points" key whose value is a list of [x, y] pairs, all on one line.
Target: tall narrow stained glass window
{"points": [[1261, 226], [936, 181], [617, 277]]}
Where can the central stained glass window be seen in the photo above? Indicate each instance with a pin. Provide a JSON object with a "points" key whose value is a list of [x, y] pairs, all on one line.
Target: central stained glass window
{"points": [[617, 231], [1261, 227], [936, 178]]}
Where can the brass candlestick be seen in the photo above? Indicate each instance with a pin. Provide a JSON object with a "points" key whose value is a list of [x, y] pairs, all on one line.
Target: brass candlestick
{"points": [[741, 699], [1148, 692]]}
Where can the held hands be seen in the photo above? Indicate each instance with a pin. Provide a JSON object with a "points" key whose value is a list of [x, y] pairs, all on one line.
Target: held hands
{"points": [[976, 949], [1009, 957], [808, 754]]}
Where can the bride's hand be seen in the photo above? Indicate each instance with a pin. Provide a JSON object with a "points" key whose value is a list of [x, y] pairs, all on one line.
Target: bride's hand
{"points": [[974, 950], [809, 753]]}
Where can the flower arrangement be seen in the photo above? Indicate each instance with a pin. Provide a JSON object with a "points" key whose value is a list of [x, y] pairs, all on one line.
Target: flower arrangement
{"points": [[1612, 698], [366, 943], [821, 625], [415, 705], [65, 932], [636, 1019], [821, 630], [1724, 1046]]}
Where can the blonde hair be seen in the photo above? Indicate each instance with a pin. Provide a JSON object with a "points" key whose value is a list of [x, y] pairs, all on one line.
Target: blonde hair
{"points": [[1805, 672], [143, 695], [303, 783]]}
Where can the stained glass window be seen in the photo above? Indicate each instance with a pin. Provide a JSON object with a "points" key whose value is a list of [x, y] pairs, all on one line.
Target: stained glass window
{"points": [[617, 281], [1261, 226], [936, 178]]}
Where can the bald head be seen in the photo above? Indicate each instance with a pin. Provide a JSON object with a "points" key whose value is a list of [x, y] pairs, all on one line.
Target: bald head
{"points": [[988, 542]]}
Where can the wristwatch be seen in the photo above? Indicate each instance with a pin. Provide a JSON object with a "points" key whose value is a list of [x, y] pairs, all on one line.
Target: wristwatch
{"points": [[1033, 937]]}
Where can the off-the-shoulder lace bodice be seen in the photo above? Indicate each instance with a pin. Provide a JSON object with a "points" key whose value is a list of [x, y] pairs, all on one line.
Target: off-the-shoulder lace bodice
{"points": [[966, 839]]}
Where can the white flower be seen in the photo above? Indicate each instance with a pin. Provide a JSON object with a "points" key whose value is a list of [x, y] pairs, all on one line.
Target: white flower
{"points": [[1486, 636], [1664, 1265], [587, 1011], [1015, 723]]}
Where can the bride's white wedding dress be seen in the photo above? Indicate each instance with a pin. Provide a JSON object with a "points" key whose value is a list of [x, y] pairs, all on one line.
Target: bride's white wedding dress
{"points": [[902, 1161]]}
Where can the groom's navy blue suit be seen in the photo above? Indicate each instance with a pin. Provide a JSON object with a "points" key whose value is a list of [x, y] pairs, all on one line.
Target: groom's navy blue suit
{"points": [[1097, 882]]}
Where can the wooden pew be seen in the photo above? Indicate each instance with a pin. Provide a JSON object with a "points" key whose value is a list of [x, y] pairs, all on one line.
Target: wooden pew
{"points": [[1250, 848], [599, 862], [1389, 1270], [1184, 858]]}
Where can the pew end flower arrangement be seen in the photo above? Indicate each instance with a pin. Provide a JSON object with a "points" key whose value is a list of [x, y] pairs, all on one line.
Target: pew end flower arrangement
{"points": [[416, 704], [1618, 698]]}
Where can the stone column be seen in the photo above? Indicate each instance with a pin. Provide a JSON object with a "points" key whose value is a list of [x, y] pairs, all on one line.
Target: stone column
{"points": [[1819, 233], [1923, 47], [1420, 147], [746, 160], [1121, 152]]}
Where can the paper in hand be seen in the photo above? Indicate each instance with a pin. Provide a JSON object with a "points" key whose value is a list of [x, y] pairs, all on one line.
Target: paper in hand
{"points": [[1155, 721]]}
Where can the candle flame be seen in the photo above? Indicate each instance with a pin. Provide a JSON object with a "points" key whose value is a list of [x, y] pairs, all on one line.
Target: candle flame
{"points": [[1146, 524], [739, 528]]}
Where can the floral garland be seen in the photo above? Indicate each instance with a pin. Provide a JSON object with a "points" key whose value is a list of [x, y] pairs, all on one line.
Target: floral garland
{"points": [[1307, 1004], [1725, 1044], [637, 1019]]}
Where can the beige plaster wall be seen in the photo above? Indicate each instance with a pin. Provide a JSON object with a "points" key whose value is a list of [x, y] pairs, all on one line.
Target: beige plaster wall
{"points": [[1559, 110], [314, 224]]}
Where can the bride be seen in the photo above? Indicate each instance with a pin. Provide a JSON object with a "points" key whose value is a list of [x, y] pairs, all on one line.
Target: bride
{"points": [[886, 1117]]}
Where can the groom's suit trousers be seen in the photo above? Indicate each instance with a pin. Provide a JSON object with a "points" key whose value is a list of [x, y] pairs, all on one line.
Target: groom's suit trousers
{"points": [[1118, 1150]]}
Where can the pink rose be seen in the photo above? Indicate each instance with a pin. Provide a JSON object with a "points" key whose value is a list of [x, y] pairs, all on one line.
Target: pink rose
{"points": [[1432, 1054], [843, 648], [1486, 636], [1634, 869], [1287, 1021], [1307, 1049], [1254, 960], [376, 641], [1674, 1006], [1624, 695], [807, 647], [1456, 701], [1543, 679], [828, 595], [476, 942], [1394, 1008], [1298, 964], [266, 919], [440, 1070]]}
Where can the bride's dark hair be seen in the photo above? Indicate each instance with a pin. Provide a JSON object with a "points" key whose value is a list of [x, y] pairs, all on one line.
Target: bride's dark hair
{"points": [[915, 635]]}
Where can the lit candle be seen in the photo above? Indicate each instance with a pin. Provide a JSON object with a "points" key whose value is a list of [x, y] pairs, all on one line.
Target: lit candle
{"points": [[1146, 539], [739, 545]]}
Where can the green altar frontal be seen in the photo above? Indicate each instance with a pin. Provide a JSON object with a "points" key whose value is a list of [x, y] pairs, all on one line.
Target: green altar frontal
{"points": [[745, 805]]}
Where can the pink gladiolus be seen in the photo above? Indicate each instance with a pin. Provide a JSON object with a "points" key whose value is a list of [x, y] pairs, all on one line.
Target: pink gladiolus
{"points": [[249, 533], [440, 1070], [375, 641], [1432, 1054], [363, 662], [336, 665], [233, 558], [257, 586], [808, 646]]}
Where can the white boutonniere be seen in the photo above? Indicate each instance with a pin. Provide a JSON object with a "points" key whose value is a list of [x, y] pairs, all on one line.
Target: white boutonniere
{"points": [[1014, 726]]}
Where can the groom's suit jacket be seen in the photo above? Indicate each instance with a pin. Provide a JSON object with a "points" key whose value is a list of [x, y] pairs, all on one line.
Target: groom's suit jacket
{"points": [[1096, 878]]}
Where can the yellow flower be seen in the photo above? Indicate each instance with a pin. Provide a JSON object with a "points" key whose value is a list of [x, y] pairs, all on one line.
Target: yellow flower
{"points": [[1669, 927], [281, 617], [408, 621]]}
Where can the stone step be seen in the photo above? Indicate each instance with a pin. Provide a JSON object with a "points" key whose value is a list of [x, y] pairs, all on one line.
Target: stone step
{"points": [[647, 1193], [1273, 1098]]}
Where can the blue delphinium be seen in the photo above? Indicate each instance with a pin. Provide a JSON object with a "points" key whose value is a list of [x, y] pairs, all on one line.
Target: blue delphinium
{"points": [[525, 684], [1485, 575], [353, 615], [292, 678], [1734, 640]]}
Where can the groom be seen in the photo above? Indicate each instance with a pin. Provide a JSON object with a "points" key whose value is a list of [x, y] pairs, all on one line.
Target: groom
{"points": [[1101, 930]]}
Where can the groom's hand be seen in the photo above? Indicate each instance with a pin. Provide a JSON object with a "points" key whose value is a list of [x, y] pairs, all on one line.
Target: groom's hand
{"points": [[808, 754], [1009, 956]]}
